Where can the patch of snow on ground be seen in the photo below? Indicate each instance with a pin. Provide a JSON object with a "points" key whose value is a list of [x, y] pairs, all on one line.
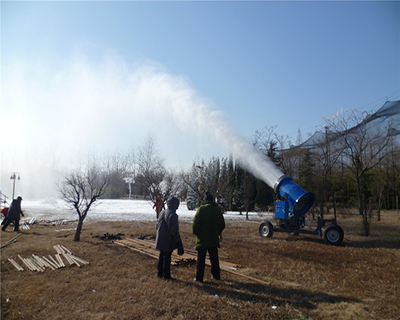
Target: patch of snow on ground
{"points": [[113, 210]]}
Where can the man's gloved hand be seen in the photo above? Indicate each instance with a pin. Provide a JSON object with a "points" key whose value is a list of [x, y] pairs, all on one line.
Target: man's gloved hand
{"points": [[181, 251], [22, 214]]}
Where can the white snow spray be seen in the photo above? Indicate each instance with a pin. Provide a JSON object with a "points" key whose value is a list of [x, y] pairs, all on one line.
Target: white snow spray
{"points": [[254, 161], [66, 112], [192, 114]]}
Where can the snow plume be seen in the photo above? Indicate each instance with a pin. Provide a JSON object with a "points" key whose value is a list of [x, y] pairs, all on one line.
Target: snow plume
{"points": [[53, 117], [193, 115]]}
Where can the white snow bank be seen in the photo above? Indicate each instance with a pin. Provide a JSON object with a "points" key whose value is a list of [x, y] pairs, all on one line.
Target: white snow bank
{"points": [[112, 210]]}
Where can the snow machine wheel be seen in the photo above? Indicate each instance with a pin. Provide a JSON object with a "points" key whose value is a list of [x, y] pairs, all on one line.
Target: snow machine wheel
{"points": [[266, 230], [334, 235]]}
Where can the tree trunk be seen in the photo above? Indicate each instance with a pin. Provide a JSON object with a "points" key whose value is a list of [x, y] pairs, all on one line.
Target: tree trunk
{"points": [[359, 198], [78, 230], [367, 223]]}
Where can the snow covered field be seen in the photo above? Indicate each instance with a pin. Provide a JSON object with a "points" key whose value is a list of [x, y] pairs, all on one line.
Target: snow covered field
{"points": [[111, 210]]}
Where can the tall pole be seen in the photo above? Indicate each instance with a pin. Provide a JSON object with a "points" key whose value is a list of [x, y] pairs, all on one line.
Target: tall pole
{"points": [[14, 177]]}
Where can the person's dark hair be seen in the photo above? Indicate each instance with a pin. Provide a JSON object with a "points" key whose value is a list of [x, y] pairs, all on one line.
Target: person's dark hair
{"points": [[209, 196], [173, 203]]}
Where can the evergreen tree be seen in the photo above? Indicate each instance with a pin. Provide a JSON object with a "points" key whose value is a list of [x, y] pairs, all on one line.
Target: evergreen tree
{"points": [[192, 198], [249, 192], [272, 153], [306, 171], [239, 188], [265, 195], [223, 186], [215, 175], [231, 177]]}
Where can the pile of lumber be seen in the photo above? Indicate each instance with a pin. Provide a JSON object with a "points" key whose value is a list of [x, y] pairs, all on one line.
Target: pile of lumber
{"points": [[36, 263], [27, 224], [190, 256]]}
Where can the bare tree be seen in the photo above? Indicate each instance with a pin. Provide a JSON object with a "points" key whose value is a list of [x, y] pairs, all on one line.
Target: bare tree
{"points": [[173, 185], [150, 169], [326, 155], [289, 157], [80, 189], [119, 165], [393, 171], [263, 138], [363, 149]]}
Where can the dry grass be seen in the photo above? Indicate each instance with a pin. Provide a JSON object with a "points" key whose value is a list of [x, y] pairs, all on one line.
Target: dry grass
{"points": [[308, 279]]}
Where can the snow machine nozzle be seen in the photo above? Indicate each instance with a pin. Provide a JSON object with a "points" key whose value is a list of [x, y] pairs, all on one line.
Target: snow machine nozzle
{"points": [[300, 200]]}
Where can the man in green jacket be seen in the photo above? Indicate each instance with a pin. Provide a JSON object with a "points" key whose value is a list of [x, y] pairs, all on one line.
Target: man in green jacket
{"points": [[208, 224]]}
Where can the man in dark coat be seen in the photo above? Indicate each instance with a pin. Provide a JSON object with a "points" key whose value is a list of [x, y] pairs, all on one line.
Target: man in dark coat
{"points": [[208, 224], [168, 238], [13, 214]]}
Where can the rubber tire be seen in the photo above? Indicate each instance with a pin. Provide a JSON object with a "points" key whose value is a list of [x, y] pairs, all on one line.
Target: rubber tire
{"points": [[333, 234], [266, 229]]}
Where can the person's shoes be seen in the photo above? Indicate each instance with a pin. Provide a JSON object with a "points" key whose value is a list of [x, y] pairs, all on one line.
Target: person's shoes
{"points": [[215, 278], [197, 280]]}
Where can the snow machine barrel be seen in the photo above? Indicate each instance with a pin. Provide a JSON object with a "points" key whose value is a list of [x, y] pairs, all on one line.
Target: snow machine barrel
{"points": [[300, 200]]}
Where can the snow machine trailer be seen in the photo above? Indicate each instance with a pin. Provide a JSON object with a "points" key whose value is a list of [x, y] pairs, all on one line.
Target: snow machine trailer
{"points": [[290, 208]]}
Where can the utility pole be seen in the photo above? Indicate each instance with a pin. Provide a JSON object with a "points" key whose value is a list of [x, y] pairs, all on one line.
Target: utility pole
{"points": [[14, 177]]}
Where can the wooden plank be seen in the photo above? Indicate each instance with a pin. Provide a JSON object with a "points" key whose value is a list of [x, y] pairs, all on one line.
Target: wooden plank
{"points": [[26, 263], [151, 244], [65, 249], [45, 263], [36, 265], [11, 241], [58, 250], [78, 259], [55, 262], [140, 250], [60, 261], [148, 247], [39, 261], [69, 260], [73, 260], [15, 264], [51, 264]]}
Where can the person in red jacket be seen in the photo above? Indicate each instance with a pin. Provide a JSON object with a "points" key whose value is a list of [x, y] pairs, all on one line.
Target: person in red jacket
{"points": [[4, 211], [159, 205]]}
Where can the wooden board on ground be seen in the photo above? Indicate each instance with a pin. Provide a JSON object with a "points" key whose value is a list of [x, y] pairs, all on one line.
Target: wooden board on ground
{"points": [[148, 247]]}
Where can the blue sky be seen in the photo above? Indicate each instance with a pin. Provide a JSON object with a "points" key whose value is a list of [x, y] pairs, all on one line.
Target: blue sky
{"points": [[104, 75]]}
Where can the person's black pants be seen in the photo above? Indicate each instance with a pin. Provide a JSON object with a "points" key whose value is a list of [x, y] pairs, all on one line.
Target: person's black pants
{"points": [[201, 263], [7, 221], [164, 265]]}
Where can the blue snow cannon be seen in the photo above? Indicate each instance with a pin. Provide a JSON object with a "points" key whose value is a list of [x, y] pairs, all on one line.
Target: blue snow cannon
{"points": [[299, 200], [291, 207]]}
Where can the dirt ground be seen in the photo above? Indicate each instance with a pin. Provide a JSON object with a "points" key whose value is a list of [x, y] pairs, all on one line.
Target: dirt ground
{"points": [[283, 277]]}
